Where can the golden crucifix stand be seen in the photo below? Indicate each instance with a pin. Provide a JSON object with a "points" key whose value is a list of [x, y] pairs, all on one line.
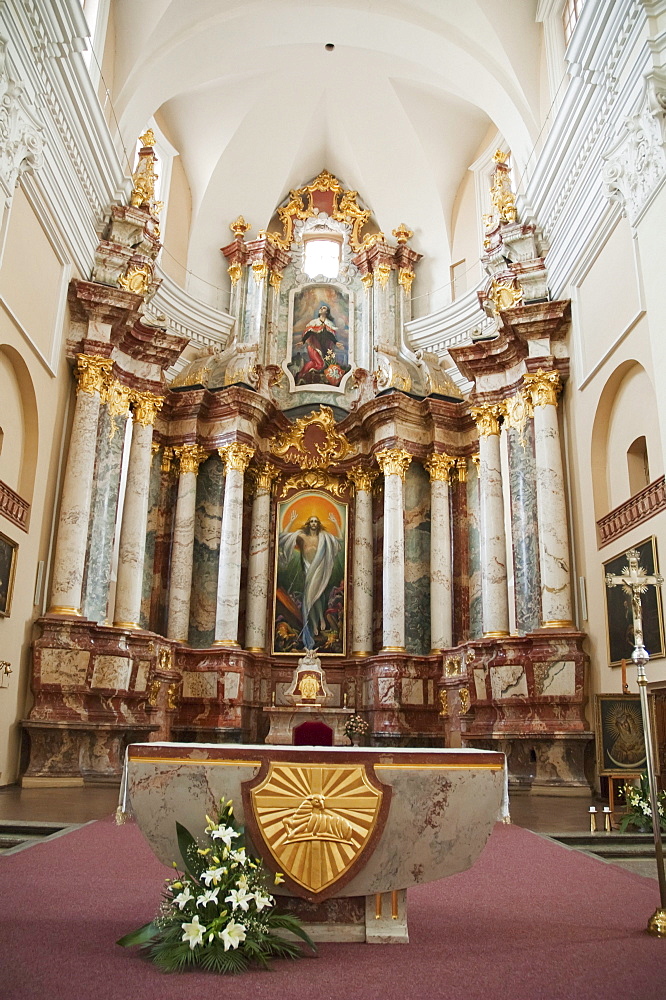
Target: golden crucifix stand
{"points": [[635, 581]]}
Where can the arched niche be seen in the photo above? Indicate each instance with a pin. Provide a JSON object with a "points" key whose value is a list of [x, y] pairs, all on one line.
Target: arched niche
{"points": [[20, 423], [625, 423]]}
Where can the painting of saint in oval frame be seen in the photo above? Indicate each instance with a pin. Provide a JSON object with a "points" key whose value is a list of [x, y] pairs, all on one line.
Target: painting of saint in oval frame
{"points": [[320, 321], [310, 575]]}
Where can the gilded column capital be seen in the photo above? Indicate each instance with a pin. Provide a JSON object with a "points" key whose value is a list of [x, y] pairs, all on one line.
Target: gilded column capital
{"points": [[117, 397], [367, 280], [265, 475], [168, 456], [439, 466], [236, 456], [461, 469], [543, 387], [405, 278], [190, 457], [275, 280], [486, 418], [476, 460], [235, 272], [383, 273], [394, 461], [146, 407], [362, 478], [154, 448], [93, 373], [260, 271]]}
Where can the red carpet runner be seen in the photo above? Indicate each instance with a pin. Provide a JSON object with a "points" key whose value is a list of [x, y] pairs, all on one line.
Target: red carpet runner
{"points": [[530, 920]]}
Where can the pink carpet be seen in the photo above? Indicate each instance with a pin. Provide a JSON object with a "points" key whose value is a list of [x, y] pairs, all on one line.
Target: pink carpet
{"points": [[529, 920]]}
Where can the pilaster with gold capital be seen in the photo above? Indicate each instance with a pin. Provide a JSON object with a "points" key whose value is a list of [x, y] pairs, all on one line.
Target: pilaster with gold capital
{"points": [[494, 590], [554, 553], [145, 407], [190, 457], [394, 463], [93, 374], [236, 458], [441, 568], [362, 565]]}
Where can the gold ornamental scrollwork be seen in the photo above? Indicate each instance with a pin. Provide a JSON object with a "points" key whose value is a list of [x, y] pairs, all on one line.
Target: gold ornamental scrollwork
{"points": [[117, 397], [190, 457], [313, 479], [236, 456], [235, 272], [136, 278], [518, 411], [154, 691], [439, 467], [368, 280], [93, 373], [487, 418], [504, 296], [275, 280], [465, 701], [168, 456], [394, 461], [362, 478], [453, 666], [543, 387], [334, 449], [444, 704], [172, 698]]}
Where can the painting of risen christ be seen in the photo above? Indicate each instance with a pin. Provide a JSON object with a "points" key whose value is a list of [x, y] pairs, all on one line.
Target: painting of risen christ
{"points": [[311, 552]]}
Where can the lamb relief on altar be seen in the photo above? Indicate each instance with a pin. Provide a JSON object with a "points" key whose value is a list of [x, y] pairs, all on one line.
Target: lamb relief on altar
{"points": [[310, 576]]}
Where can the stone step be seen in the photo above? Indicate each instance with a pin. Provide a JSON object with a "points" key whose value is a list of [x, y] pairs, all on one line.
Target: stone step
{"points": [[16, 835]]}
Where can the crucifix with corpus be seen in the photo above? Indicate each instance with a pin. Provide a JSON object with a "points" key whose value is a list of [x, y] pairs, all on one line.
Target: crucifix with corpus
{"points": [[635, 581]]}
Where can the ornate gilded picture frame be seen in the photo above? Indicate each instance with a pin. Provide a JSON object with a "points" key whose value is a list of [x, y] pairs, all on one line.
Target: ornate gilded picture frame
{"points": [[8, 553], [619, 735], [619, 619], [310, 575]]}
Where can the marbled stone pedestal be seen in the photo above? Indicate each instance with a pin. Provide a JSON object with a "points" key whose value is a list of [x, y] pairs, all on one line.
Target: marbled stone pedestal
{"points": [[284, 720]]}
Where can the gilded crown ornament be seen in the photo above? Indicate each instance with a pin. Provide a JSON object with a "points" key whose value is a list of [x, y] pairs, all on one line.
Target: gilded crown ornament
{"points": [[402, 233], [239, 227], [394, 461]]}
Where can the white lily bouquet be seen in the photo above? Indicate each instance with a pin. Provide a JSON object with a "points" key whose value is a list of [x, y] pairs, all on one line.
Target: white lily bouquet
{"points": [[218, 913]]}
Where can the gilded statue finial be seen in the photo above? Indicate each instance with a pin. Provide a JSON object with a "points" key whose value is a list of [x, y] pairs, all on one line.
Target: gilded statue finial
{"points": [[402, 233], [502, 197], [144, 176], [239, 227]]}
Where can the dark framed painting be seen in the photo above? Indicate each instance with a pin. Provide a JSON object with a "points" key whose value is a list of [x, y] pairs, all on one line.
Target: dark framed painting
{"points": [[310, 575], [320, 321], [8, 552], [619, 734], [619, 619]]}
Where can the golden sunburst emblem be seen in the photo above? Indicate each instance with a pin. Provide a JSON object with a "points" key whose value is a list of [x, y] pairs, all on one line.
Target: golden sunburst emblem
{"points": [[316, 820]]}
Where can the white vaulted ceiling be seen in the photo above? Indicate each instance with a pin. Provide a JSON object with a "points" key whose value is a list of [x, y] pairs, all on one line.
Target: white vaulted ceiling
{"points": [[255, 105]]}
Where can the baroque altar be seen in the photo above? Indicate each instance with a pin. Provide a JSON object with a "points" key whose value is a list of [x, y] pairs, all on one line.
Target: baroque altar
{"points": [[314, 485]]}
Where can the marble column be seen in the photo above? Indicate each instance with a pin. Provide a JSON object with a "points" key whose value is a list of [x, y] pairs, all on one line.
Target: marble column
{"points": [[236, 458], [491, 515], [132, 548], [69, 561], [519, 427], [362, 561], [258, 569], [111, 427], [554, 560], [394, 463], [182, 548], [441, 569]]}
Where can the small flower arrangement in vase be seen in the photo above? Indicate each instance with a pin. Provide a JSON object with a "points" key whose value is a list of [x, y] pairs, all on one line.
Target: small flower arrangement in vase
{"points": [[639, 810], [355, 728], [218, 913]]}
